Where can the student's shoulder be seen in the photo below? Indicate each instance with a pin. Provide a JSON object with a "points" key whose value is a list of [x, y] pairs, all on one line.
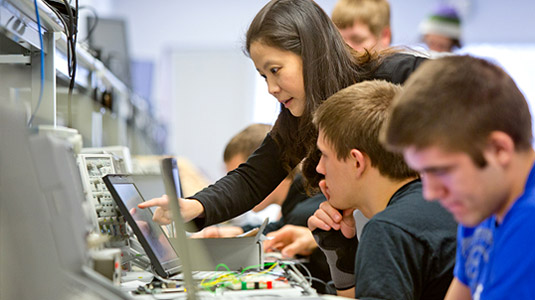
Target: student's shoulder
{"points": [[527, 199], [409, 210], [396, 67], [522, 213], [405, 56]]}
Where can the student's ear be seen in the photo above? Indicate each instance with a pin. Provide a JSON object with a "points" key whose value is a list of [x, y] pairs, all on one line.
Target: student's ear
{"points": [[501, 146], [386, 37], [359, 159]]}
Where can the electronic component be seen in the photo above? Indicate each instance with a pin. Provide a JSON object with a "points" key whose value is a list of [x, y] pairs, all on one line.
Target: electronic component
{"points": [[107, 218], [149, 234]]}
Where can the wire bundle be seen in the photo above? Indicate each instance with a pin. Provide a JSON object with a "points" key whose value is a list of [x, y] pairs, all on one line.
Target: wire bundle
{"points": [[70, 23], [232, 278]]}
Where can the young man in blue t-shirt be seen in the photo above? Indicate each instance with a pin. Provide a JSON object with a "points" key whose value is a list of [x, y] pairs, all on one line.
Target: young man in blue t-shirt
{"points": [[463, 124]]}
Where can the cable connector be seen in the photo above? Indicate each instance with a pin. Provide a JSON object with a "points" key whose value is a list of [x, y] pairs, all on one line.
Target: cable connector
{"points": [[299, 279]]}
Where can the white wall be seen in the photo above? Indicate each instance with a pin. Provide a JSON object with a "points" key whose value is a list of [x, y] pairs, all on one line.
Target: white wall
{"points": [[157, 24], [484, 21], [212, 93], [207, 95], [205, 37]]}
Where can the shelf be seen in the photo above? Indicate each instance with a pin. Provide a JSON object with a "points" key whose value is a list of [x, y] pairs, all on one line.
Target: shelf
{"points": [[20, 55]]}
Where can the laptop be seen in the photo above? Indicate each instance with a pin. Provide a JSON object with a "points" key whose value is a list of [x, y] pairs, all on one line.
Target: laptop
{"points": [[150, 235], [171, 181], [167, 264]]}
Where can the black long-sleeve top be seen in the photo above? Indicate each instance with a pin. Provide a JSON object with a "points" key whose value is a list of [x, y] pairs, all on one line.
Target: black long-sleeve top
{"points": [[243, 188], [296, 208]]}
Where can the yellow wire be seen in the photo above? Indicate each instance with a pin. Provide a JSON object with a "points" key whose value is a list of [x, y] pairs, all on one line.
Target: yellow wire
{"points": [[262, 272], [233, 278]]}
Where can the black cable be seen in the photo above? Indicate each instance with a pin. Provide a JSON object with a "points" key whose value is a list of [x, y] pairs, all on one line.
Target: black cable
{"points": [[70, 33], [59, 15], [75, 63], [71, 54], [62, 19], [94, 25], [70, 26]]}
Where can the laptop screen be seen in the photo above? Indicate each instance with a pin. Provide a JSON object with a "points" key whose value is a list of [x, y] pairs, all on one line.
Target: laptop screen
{"points": [[150, 234], [143, 217]]}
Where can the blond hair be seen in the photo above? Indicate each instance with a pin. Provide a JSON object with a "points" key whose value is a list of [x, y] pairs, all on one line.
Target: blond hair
{"points": [[373, 13]]}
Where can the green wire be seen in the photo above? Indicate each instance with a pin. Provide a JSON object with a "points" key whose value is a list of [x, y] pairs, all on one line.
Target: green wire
{"points": [[222, 265], [207, 287]]}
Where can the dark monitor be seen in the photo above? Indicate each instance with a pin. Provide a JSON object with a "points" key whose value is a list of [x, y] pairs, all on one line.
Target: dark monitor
{"points": [[108, 37]]}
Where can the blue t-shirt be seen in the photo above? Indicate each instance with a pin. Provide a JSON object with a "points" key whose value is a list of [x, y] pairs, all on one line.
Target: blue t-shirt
{"points": [[498, 261]]}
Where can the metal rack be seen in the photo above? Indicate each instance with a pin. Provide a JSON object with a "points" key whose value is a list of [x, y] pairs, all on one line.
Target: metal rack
{"points": [[20, 81]]}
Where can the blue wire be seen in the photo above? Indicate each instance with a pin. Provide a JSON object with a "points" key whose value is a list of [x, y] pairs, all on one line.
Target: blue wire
{"points": [[42, 65]]}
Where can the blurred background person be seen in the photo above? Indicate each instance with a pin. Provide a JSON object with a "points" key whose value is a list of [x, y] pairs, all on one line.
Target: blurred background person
{"points": [[238, 149], [293, 205], [441, 31], [364, 24]]}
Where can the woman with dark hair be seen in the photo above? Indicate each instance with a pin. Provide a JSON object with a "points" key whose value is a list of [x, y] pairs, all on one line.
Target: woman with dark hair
{"points": [[299, 51]]}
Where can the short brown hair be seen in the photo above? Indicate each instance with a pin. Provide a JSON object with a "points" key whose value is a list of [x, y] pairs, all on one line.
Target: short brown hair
{"points": [[246, 141], [352, 119], [374, 13], [455, 102]]}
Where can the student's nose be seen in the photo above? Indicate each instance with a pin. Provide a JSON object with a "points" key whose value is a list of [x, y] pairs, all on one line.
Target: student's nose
{"points": [[319, 168], [433, 189]]}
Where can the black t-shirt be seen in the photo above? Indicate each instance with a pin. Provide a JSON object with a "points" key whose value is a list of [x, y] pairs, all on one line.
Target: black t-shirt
{"points": [[407, 251]]}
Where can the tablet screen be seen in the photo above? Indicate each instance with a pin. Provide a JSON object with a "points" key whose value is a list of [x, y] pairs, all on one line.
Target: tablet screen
{"points": [[152, 232]]}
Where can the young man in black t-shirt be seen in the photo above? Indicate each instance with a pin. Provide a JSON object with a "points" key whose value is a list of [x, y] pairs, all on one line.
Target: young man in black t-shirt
{"points": [[407, 249]]}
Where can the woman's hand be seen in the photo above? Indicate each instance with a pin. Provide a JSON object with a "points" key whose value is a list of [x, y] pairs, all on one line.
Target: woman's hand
{"points": [[189, 208]]}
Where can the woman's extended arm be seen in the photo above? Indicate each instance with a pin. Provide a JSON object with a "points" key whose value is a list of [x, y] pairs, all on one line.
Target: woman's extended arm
{"points": [[243, 188]]}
